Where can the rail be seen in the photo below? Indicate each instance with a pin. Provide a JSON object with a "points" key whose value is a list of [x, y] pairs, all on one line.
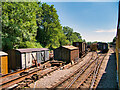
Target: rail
{"points": [[80, 73], [77, 71]]}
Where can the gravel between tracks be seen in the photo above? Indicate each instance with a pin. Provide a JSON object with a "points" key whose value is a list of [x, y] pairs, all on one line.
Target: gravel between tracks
{"points": [[56, 76]]}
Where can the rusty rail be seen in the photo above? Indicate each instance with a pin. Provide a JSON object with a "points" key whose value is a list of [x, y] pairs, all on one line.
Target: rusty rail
{"points": [[10, 74], [80, 73], [96, 72], [77, 71], [37, 76], [18, 79]]}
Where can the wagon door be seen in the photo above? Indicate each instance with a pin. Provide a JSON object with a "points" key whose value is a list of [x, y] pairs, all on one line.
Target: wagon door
{"points": [[23, 60], [104, 46], [38, 57], [30, 59], [34, 55], [83, 47], [28, 64], [42, 56], [46, 55], [4, 65]]}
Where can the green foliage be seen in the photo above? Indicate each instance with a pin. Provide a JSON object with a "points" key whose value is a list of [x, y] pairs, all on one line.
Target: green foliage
{"points": [[88, 43], [18, 23], [94, 42], [114, 39], [72, 36], [50, 31], [83, 40], [33, 25], [28, 44]]}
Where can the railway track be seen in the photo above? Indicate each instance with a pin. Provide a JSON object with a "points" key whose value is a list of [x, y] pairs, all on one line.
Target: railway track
{"points": [[16, 73], [87, 79], [17, 76], [85, 74], [38, 76], [13, 73], [75, 72], [18, 79], [25, 79]]}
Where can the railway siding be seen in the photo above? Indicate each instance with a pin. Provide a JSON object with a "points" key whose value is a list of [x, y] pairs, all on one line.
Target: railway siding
{"points": [[61, 77], [108, 76], [55, 77], [50, 80]]}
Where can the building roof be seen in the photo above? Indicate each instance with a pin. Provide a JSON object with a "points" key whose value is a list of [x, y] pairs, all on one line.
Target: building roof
{"points": [[70, 47], [3, 53], [31, 49]]}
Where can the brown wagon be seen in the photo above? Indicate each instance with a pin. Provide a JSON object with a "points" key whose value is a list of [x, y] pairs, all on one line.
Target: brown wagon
{"points": [[82, 47], [66, 53], [93, 47]]}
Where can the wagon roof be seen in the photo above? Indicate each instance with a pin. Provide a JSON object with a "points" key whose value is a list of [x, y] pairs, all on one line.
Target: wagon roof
{"points": [[70, 47], [31, 49], [3, 53]]}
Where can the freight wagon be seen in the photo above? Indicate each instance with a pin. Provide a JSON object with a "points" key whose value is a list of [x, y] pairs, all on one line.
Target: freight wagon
{"points": [[66, 53], [82, 47], [93, 47], [88, 48], [25, 58], [99, 44], [3, 63], [103, 47]]}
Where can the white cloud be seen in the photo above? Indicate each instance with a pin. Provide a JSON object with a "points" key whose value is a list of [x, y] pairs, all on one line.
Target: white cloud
{"points": [[100, 31]]}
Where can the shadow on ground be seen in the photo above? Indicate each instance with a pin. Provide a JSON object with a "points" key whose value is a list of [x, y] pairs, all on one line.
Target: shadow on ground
{"points": [[109, 78]]}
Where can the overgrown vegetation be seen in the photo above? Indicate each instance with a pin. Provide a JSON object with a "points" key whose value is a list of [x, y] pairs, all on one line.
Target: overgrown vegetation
{"points": [[33, 25]]}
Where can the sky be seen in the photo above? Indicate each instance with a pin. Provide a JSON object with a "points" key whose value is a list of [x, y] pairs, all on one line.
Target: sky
{"points": [[95, 20]]}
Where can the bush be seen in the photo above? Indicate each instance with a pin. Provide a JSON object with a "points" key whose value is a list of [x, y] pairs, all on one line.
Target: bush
{"points": [[28, 44]]}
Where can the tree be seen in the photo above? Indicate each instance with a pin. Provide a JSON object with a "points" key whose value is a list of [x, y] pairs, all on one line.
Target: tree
{"points": [[63, 39], [71, 36], [88, 43], [68, 32], [114, 39], [83, 40], [32, 25], [50, 31], [78, 35], [18, 24], [94, 42]]}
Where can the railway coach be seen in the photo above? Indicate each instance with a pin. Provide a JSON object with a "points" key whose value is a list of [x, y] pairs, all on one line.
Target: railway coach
{"points": [[25, 58]]}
